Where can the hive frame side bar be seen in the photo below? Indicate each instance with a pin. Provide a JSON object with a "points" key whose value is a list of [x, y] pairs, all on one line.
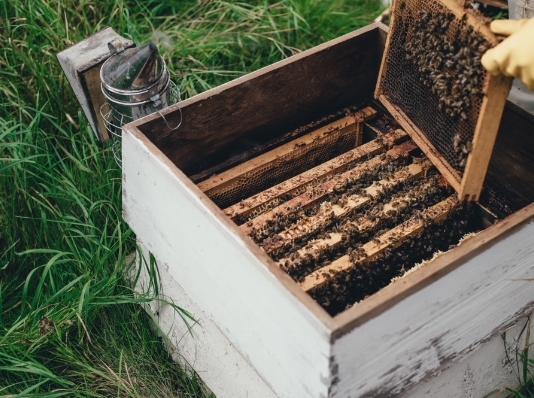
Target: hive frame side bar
{"points": [[485, 135], [383, 66], [256, 288]]}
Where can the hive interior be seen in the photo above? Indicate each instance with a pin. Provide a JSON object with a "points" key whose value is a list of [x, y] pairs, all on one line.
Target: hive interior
{"points": [[354, 204]]}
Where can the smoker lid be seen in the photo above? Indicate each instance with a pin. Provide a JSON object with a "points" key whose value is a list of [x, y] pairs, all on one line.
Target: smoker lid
{"points": [[133, 69]]}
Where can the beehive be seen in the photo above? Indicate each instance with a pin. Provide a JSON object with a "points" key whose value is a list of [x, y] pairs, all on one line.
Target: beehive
{"points": [[432, 80], [271, 337], [344, 228]]}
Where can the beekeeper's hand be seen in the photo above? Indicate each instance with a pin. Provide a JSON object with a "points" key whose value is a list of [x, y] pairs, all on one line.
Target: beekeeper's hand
{"points": [[515, 55]]}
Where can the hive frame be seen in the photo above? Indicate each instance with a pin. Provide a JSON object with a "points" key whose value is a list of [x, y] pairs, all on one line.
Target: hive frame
{"points": [[496, 88]]}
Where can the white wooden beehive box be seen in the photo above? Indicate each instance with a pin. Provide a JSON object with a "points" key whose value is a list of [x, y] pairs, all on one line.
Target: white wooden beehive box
{"points": [[259, 333]]}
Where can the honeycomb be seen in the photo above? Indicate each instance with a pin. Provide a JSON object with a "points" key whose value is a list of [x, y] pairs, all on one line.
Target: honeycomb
{"points": [[297, 161], [434, 75]]}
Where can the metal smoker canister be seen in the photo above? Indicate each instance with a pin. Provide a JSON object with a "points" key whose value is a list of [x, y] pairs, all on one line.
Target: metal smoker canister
{"points": [[136, 83]]}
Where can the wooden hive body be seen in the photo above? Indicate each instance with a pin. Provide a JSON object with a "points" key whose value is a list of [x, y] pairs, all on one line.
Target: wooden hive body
{"points": [[259, 333]]}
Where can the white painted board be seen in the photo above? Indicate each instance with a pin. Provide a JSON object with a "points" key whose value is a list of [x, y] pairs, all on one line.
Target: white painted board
{"points": [[199, 345], [272, 329]]}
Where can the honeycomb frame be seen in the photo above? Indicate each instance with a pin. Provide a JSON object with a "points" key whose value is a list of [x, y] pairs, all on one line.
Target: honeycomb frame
{"points": [[485, 117]]}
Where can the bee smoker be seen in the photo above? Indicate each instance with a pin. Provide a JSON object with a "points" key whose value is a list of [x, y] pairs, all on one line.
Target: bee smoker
{"points": [[136, 83]]}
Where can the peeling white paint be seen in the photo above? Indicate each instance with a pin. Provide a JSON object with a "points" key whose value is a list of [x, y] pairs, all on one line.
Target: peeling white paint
{"points": [[442, 322]]}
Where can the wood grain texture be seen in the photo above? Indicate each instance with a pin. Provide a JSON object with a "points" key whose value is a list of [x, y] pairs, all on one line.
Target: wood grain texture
{"points": [[384, 42], [510, 174], [440, 313], [227, 119], [391, 239], [81, 64], [486, 130], [202, 346], [481, 372], [91, 83]]}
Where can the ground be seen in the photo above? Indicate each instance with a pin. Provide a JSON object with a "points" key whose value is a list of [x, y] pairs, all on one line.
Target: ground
{"points": [[69, 323]]}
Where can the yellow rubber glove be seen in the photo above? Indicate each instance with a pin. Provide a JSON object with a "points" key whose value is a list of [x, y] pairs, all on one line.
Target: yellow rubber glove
{"points": [[515, 55]]}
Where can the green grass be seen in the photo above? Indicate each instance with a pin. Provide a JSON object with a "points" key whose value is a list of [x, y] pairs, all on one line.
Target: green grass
{"points": [[69, 323]]}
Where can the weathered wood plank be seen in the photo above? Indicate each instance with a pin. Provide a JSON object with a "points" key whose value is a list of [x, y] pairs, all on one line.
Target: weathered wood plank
{"points": [[391, 239], [262, 105], [200, 345], [489, 119], [305, 200], [310, 225], [159, 201], [434, 318], [298, 184]]}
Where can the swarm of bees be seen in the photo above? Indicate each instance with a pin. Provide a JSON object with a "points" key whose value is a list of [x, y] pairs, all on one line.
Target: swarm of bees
{"points": [[462, 148], [451, 68], [435, 76], [412, 198], [355, 284], [310, 252]]}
